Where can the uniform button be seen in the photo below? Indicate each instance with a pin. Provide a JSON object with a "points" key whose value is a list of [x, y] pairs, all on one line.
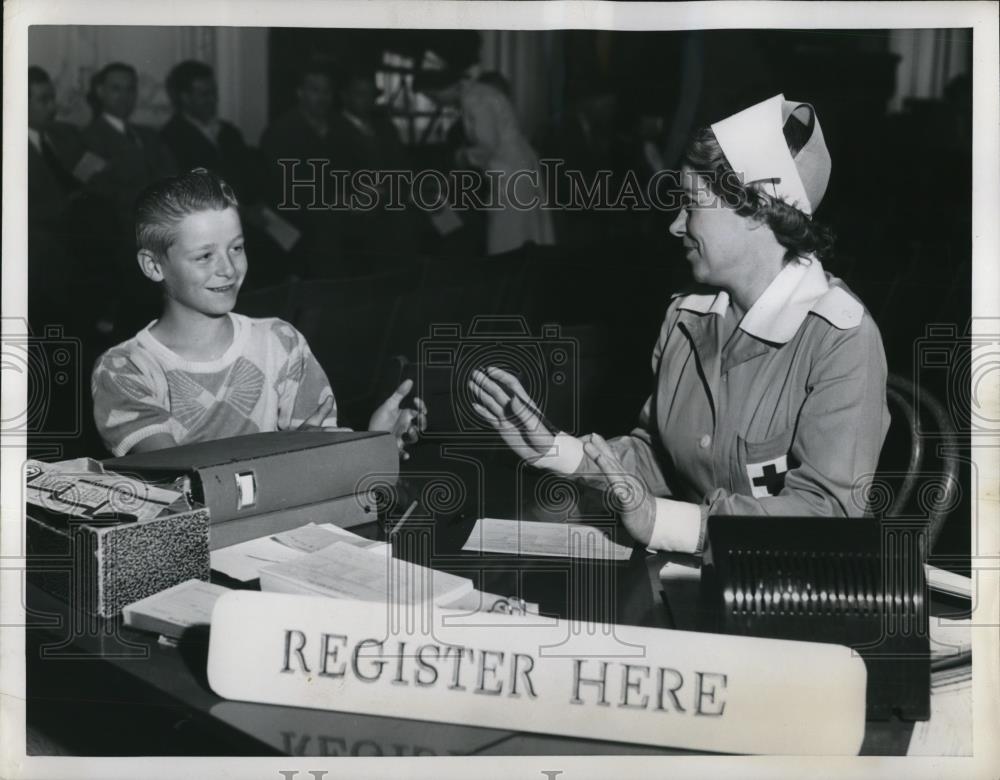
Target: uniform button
{"points": [[705, 441]]}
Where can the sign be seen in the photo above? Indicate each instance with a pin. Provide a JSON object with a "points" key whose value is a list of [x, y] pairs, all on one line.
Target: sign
{"points": [[649, 686]]}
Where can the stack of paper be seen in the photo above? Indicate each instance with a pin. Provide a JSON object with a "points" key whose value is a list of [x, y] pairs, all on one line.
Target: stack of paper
{"points": [[950, 638], [524, 537], [949, 730], [174, 610], [244, 561], [346, 571], [948, 581]]}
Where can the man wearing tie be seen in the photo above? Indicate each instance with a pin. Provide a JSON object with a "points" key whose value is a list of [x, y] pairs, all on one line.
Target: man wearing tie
{"points": [[134, 157], [198, 138], [54, 149]]}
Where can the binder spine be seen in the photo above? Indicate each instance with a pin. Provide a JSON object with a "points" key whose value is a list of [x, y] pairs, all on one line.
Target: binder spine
{"points": [[296, 478]]}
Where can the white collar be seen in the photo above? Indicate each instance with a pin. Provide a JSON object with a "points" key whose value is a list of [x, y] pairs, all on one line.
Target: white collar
{"points": [[209, 129], [115, 122], [778, 313], [35, 139]]}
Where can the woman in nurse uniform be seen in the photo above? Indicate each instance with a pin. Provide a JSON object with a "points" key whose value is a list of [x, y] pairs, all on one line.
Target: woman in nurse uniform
{"points": [[769, 383]]}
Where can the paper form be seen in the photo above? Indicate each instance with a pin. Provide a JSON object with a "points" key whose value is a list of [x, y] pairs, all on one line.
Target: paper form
{"points": [[345, 571], [89, 165], [445, 220], [244, 561], [284, 233], [563, 540]]}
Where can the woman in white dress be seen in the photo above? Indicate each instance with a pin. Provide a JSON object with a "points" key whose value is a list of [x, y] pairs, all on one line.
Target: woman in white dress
{"points": [[495, 143]]}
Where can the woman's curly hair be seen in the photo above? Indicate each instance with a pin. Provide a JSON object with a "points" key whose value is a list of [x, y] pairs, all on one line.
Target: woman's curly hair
{"points": [[799, 233]]}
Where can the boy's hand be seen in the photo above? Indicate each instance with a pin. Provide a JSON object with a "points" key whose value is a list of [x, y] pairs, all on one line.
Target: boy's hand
{"points": [[314, 421], [405, 424]]}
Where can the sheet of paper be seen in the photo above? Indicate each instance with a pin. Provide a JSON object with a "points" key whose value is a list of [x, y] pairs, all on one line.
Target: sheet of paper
{"points": [[244, 561], [524, 537], [312, 537], [949, 730], [445, 220], [89, 165], [949, 637], [187, 604], [308, 538], [346, 571], [284, 233], [87, 494], [947, 581]]}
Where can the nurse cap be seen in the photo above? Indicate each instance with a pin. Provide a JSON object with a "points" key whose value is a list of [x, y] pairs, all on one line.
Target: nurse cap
{"points": [[753, 141]]}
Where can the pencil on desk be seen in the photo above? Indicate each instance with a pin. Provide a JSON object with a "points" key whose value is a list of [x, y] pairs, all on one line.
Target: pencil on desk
{"points": [[403, 519]]}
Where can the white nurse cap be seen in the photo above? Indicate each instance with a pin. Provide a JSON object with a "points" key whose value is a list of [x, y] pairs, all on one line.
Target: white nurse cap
{"points": [[754, 143]]}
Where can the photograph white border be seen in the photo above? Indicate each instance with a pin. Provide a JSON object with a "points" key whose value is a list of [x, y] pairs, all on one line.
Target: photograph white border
{"points": [[981, 16]]}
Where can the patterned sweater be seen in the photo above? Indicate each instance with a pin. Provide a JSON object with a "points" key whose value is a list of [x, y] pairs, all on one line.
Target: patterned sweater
{"points": [[267, 380]]}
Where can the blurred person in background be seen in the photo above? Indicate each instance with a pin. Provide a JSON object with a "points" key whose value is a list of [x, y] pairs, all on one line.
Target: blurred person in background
{"points": [[494, 143]]}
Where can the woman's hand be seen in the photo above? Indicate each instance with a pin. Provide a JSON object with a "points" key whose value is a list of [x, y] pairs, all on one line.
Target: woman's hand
{"points": [[405, 424], [628, 493], [502, 402]]}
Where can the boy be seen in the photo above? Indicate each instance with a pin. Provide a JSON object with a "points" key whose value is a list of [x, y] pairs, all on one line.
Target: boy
{"points": [[200, 371]]}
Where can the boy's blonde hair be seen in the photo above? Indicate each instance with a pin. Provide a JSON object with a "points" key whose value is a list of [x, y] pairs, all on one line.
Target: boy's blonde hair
{"points": [[164, 203]]}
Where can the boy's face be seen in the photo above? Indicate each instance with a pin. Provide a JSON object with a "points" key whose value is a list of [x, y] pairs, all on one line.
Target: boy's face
{"points": [[206, 264]]}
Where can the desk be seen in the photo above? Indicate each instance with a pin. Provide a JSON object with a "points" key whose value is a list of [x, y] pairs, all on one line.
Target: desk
{"points": [[103, 689], [114, 691]]}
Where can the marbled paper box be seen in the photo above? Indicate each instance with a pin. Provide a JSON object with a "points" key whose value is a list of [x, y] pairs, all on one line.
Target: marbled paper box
{"points": [[99, 567]]}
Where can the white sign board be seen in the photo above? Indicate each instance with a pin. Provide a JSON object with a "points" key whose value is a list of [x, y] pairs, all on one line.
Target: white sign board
{"points": [[642, 685]]}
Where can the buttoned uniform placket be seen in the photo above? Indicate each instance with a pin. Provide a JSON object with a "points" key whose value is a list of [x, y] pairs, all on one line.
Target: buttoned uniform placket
{"points": [[742, 348], [703, 332]]}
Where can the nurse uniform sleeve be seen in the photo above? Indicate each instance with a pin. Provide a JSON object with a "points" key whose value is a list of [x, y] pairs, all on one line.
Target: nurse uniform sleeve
{"points": [[640, 451]]}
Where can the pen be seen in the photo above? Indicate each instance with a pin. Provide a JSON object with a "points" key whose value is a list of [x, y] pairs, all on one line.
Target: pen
{"points": [[403, 519]]}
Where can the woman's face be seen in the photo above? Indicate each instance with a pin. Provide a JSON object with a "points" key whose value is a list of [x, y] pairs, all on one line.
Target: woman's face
{"points": [[715, 237]]}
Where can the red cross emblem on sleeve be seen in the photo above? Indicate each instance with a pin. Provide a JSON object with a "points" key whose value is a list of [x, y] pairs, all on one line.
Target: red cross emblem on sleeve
{"points": [[767, 478]]}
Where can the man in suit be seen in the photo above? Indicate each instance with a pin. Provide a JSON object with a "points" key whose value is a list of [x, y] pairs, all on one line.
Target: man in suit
{"points": [[134, 157], [54, 149], [363, 138], [301, 134], [197, 138]]}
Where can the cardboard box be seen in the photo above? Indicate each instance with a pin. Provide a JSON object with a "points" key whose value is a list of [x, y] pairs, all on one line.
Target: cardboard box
{"points": [[99, 567]]}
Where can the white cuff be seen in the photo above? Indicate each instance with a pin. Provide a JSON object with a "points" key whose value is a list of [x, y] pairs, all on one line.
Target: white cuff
{"points": [[564, 457], [677, 527]]}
